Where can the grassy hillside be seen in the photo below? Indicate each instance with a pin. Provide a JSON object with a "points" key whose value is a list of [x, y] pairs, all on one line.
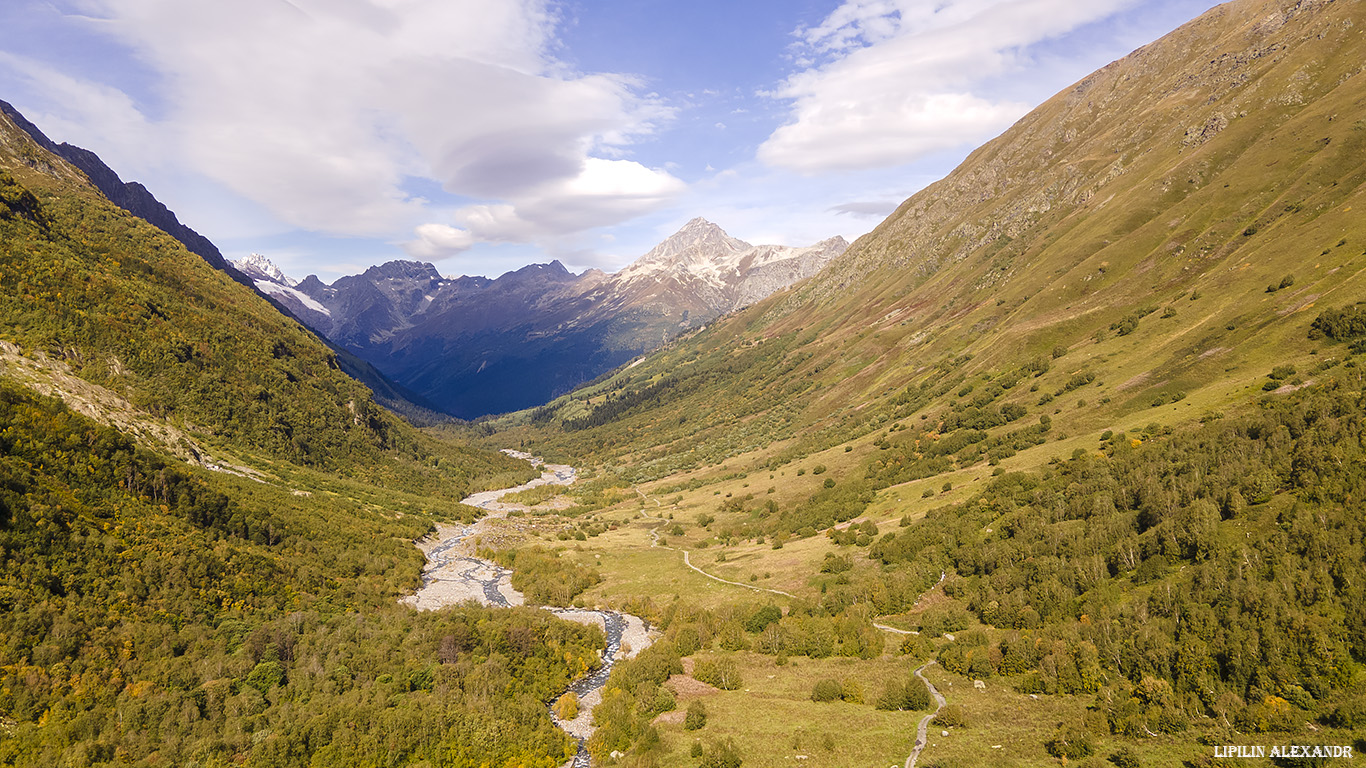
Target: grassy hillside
{"points": [[1081, 414], [118, 301], [1130, 227], [205, 528]]}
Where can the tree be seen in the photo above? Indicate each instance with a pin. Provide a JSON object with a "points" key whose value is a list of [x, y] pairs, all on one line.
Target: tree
{"points": [[567, 707]]}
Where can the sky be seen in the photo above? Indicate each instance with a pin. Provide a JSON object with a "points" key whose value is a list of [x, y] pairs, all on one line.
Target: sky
{"points": [[484, 135]]}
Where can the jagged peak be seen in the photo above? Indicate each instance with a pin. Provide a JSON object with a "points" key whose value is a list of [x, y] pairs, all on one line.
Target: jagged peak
{"points": [[259, 267], [698, 241], [401, 269]]}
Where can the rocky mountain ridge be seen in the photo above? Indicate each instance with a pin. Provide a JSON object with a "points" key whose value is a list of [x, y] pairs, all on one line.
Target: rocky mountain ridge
{"points": [[130, 196], [456, 341]]}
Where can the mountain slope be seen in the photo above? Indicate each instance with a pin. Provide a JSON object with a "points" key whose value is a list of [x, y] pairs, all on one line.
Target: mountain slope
{"points": [[204, 516], [468, 343], [127, 308], [130, 196], [1081, 422], [1184, 178]]}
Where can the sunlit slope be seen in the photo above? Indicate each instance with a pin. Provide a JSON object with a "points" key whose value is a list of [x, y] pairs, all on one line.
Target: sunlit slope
{"points": [[126, 307], [1162, 232], [205, 529]]}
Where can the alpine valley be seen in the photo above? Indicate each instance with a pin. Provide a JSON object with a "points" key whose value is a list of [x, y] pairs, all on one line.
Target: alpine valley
{"points": [[1062, 464], [475, 346]]}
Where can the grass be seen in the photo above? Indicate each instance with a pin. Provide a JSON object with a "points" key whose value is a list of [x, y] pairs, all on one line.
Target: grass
{"points": [[1003, 728], [832, 733], [814, 377]]}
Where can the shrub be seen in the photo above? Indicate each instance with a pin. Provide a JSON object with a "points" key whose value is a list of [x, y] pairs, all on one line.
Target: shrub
{"points": [[951, 716], [1070, 742], [904, 695], [696, 718], [721, 672], [1340, 324], [827, 690], [567, 707], [1125, 757], [721, 754], [768, 614]]}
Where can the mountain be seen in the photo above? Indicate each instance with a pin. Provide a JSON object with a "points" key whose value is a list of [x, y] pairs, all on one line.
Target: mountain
{"points": [[137, 200], [1086, 415], [1128, 227], [101, 295], [469, 343], [130, 196], [708, 273], [197, 507]]}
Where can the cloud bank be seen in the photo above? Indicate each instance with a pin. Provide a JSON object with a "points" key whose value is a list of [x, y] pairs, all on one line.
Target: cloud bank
{"points": [[884, 82], [321, 110]]}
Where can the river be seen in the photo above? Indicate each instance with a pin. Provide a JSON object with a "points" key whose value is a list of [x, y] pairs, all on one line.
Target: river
{"points": [[453, 575]]}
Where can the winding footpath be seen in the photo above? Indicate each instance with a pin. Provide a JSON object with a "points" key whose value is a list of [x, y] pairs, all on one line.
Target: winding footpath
{"points": [[453, 575], [921, 734], [922, 730], [688, 562], [687, 556]]}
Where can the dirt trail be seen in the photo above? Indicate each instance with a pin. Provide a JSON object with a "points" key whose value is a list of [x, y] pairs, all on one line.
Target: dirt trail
{"points": [[687, 556], [921, 734]]}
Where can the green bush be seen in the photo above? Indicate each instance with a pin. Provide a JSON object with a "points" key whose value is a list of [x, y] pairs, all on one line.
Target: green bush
{"points": [[696, 717], [1126, 757], [951, 716], [720, 671], [1070, 741], [827, 690], [721, 754]]}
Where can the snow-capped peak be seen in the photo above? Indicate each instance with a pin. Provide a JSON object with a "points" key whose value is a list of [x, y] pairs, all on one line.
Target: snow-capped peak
{"points": [[700, 248], [258, 267], [698, 242], [703, 251]]}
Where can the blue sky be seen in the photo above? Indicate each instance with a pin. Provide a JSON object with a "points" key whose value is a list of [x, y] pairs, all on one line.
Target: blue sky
{"points": [[484, 135]]}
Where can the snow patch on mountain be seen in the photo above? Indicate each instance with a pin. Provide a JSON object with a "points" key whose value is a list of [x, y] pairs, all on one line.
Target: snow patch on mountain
{"points": [[283, 291], [702, 251], [258, 267]]}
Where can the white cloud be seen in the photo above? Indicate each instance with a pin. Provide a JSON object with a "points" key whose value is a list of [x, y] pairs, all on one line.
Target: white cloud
{"points": [[438, 241], [604, 193], [888, 81], [127, 134], [320, 109]]}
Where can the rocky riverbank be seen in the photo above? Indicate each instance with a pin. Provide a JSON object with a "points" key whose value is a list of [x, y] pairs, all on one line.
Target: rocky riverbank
{"points": [[453, 575]]}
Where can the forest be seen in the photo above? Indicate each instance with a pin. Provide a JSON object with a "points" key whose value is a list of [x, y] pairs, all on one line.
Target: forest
{"points": [[150, 618]]}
